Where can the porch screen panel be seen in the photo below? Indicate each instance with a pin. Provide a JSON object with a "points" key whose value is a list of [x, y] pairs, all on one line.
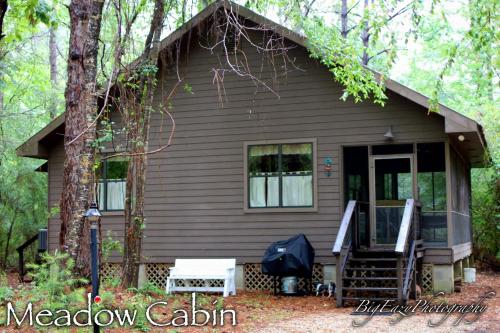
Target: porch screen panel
{"points": [[431, 180], [460, 199]]}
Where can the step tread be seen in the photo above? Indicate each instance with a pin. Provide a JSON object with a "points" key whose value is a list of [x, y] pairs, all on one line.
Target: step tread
{"points": [[373, 259], [370, 278], [371, 288], [371, 268]]}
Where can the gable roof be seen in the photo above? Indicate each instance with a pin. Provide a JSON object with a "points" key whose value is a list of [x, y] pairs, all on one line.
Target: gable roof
{"points": [[456, 124]]}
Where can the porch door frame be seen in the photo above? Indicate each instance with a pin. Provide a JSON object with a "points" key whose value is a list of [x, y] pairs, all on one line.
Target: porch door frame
{"points": [[372, 185]]}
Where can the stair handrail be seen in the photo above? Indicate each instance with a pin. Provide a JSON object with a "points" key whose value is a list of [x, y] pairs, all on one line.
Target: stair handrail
{"points": [[344, 227], [343, 246], [42, 238], [405, 227], [409, 271], [20, 251]]}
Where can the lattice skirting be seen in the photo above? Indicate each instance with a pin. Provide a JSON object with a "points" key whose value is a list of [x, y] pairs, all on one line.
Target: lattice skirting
{"points": [[157, 275], [255, 280], [426, 278], [110, 271]]}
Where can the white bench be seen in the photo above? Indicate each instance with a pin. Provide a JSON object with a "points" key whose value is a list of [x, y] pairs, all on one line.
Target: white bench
{"points": [[203, 269]]}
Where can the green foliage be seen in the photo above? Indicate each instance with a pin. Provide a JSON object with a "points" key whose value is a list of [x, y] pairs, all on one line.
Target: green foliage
{"points": [[342, 58], [6, 294], [26, 96], [151, 289], [54, 279], [188, 89], [110, 245], [486, 212]]}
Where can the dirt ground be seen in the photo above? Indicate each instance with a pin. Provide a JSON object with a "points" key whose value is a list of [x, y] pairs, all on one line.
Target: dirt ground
{"points": [[265, 313]]}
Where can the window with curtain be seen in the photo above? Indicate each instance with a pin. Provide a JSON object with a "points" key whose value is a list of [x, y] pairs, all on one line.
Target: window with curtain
{"points": [[280, 175], [111, 190]]}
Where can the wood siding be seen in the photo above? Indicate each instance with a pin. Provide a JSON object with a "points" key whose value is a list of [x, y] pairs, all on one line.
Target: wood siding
{"points": [[194, 192], [112, 223]]}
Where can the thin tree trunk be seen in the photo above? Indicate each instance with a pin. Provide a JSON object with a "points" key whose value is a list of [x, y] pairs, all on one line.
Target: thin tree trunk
{"points": [[138, 133], [365, 37], [9, 236], [343, 19], [3, 9], [53, 71], [81, 107]]}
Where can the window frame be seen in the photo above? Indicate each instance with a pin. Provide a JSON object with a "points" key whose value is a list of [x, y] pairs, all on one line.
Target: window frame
{"points": [[104, 181], [246, 204]]}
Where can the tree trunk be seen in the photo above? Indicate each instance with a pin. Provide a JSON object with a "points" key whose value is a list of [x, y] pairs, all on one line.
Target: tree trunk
{"points": [[3, 9], [53, 72], [9, 236], [365, 37], [81, 108], [343, 19], [138, 133]]}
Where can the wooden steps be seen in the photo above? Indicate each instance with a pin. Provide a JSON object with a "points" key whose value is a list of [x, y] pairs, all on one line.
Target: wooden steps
{"points": [[370, 275]]}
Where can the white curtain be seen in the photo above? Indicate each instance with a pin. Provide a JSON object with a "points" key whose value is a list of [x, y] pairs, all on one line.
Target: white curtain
{"points": [[273, 190], [100, 192], [258, 192], [297, 191], [297, 149], [116, 195], [264, 150]]}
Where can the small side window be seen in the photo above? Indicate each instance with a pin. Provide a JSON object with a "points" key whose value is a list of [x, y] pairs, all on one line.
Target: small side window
{"points": [[111, 190]]}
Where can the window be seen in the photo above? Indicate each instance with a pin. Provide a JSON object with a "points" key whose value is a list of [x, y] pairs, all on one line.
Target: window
{"points": [[280, 175], [112, 184]]}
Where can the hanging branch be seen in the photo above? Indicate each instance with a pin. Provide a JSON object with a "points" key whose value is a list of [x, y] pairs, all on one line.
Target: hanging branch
{"points": [[231, 34]]}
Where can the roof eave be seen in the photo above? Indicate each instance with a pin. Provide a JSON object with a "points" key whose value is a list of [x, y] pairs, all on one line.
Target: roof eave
{"points": [[32, 147]]}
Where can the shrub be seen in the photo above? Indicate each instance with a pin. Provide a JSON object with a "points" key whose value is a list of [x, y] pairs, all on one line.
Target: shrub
{"points": [[54, 279], [6, 294]]}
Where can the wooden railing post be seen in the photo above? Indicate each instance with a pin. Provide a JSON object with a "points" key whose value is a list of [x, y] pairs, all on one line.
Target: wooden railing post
{"points": [[400, 279], [341, 248], [21, 264], [338, 278]]}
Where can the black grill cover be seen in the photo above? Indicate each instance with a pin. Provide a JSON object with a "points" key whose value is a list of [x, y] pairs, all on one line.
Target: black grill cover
{"points": [[291, 257]]}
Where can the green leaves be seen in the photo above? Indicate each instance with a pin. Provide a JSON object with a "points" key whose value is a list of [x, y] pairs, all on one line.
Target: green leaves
{"points": [[342, 58]]}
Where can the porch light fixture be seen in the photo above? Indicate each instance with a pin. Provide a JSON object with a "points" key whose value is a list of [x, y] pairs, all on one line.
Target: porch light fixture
{"points": [[461, 138], [388, 135], [93, 215]]}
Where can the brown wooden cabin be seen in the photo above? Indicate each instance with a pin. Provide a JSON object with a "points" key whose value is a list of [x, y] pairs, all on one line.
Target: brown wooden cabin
{"points": [[388, 186]]}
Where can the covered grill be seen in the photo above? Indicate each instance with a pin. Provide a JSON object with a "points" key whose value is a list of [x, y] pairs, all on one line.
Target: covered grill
{"points": [[291, 257]]}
